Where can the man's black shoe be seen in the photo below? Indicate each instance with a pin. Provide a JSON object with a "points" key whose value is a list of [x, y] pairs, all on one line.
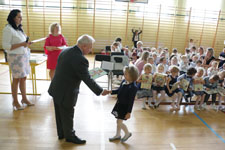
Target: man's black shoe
{"points": [[76, 140]]}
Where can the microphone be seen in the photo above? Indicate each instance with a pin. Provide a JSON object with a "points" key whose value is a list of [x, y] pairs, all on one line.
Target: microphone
{"points": [[27, 39]]}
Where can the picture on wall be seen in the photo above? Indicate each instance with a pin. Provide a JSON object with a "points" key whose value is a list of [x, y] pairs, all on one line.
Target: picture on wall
{"points": [[134, 1]]}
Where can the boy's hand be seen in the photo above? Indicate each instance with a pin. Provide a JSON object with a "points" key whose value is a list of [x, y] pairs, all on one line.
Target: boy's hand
{"points": [[127, 116]]}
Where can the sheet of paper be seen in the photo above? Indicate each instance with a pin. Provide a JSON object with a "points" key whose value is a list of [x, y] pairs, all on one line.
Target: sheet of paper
{"points": [[39, 40], [62, 47]]}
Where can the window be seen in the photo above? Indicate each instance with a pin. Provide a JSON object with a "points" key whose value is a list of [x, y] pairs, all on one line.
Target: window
{"points": [[53, 5], [6, 4], [200, 7]]}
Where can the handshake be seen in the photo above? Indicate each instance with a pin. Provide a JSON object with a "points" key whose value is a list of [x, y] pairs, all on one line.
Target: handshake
{"points": [[105, 92]]}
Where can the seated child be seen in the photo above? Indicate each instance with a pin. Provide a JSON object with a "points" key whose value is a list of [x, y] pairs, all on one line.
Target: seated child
{"points": [[221, 90], [146, 82], [185, 81], [183, 66], [198, 83], [213, 70], [159, 80], [210, 89], [171, 89]]}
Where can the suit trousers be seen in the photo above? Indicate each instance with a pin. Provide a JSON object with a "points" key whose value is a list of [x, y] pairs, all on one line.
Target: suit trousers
{"points": [[64, 120], [135, 44]]}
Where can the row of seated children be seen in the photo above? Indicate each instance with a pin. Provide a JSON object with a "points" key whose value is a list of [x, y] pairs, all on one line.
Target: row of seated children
{"points": [[176, 86], [181, 61]]}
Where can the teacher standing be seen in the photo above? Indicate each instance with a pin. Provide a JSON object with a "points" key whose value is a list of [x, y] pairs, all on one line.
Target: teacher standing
{"points": [[14, 42], [71, 69], [53, 41], [135, 37]]}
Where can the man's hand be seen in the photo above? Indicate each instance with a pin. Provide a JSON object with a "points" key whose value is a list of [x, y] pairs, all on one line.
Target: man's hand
{"points": [[105, 92], [127, 116]]}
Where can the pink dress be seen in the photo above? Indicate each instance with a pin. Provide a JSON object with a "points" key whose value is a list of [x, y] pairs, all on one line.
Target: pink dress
{"points": [[140, 64], [53, 55]]}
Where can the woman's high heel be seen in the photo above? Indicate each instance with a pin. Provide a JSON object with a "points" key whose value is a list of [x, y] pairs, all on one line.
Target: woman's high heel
{"points": [[27, 103], [17, 107]]}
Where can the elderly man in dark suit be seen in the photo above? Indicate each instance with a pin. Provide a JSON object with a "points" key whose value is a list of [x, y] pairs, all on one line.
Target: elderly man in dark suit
{"points": [[71, 69]]}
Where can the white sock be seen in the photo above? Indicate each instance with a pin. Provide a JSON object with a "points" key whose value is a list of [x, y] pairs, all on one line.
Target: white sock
{"points": [[118, 128], [143, 103], [123, 127]]}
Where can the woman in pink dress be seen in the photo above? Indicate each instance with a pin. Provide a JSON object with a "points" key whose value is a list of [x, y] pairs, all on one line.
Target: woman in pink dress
{"points": [[53, 41], [142, 61]]}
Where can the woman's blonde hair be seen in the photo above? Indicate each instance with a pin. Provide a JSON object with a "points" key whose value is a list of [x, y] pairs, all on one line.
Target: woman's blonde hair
{"points": [[132, 71], [53, 26], [145, 55]]}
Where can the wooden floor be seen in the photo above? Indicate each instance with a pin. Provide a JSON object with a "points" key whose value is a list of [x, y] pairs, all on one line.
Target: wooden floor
{"points": [[34, 128]]}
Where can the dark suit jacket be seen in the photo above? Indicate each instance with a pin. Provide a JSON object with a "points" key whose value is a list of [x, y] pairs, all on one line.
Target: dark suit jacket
{"points": [[134, 34], [71, 69]]}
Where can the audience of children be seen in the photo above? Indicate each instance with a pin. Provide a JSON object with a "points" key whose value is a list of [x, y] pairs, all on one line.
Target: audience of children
{"points": [[193, 75]]}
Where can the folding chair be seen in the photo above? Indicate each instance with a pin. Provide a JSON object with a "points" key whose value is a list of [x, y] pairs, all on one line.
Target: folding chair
{"points": [[119, 63], [103, 58], [117, 53], [108, 67], [100, 58]]}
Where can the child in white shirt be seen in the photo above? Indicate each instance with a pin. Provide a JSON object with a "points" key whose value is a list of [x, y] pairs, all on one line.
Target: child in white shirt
{"points": [[183, 66]]}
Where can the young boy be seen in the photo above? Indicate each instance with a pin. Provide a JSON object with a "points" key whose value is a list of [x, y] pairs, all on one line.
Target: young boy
{"points": [[210, 89], [186, 82]]}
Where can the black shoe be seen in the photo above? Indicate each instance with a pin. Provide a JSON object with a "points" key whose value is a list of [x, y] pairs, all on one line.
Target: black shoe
{"points": [[60, 137], [76, 140]]}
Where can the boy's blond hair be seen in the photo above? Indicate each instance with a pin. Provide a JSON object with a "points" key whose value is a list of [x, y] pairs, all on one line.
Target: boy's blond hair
{"points": [[160, 65], [139, 42], [215, 62], [174, 68], [150, 58], [148, 66], [132, 71], [201, 69]]}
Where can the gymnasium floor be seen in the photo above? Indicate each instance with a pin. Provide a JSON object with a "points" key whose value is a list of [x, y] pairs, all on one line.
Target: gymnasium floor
{"points": [[34, 128]]}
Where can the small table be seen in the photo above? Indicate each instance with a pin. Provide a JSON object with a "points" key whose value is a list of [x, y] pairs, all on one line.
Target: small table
{"points": [[35, 60]]}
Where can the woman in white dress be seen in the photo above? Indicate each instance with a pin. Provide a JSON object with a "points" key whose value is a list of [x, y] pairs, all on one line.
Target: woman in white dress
{"points": [[15, 42]]}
